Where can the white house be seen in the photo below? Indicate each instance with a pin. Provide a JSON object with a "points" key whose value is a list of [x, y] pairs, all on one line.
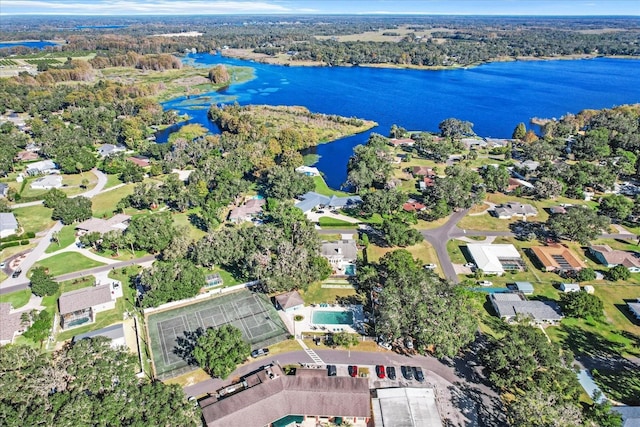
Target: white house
{"points": [[41, 167], [569, 287], [342, 255], [495, 259], [308, 170], [8, 224], [289, 301], [47, 182], [108, 149]]}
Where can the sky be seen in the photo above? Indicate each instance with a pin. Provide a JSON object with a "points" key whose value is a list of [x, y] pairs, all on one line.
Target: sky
{"points": [[302, 7]]}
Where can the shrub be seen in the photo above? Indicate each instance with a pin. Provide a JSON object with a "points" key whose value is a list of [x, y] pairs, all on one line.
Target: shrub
{"points": [[24, 242]]}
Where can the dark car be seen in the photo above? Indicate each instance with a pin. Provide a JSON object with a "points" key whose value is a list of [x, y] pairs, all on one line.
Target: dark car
{"points": [[260, 352], [331, 370], [417, 373], [407, 372], [16, 273], [391, 372], [380, 371], [353, 370]]}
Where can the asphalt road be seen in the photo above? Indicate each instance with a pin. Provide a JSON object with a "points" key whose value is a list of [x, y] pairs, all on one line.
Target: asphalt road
{"points": [[438, 237]]}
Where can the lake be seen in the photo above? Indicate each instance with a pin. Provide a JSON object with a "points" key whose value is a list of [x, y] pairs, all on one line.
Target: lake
{"points": [[495, 97], [30, 44]]}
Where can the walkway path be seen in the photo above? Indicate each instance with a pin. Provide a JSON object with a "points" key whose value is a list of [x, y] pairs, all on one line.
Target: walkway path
{"points": [[84, 252]]}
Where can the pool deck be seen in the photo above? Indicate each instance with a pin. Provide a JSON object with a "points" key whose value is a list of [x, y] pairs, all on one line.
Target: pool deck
{"points": [[307, 325]]}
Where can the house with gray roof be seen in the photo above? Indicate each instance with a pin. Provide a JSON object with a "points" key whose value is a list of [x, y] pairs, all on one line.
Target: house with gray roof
{"points": [[511, 209], [341, 254], [267, 396], [108, 149], [80, 307], [118, 222], [115, 333], [41, 167], [509, 306], [311, 200], [4, 189], [634, 308], [47, 182], [248, 211], [10, 323], [289, 301], [8, 224]]}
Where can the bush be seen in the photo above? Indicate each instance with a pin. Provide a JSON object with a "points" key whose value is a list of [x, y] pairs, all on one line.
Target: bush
{"points": [[29, 234], [24, 242], [8, 245]]}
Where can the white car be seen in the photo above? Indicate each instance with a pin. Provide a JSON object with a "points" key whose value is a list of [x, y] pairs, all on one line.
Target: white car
{"points": [[485, 283], [470, 265], [430, 266]]}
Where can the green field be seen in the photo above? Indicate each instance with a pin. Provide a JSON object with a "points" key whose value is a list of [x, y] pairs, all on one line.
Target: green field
{"points": [[104, 204], [8, 63], [67, 262], [17, 299], [34, 218], [316, 294], [66, 237], [323, 188]]}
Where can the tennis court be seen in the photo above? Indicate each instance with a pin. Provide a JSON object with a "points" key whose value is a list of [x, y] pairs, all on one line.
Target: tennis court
{"points": [[169, 330]]}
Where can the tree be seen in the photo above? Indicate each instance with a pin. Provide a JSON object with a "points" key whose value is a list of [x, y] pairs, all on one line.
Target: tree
{"points": [[548, 188], [168, 281], [601, 415], [519, 132], [219, 75], [398, 233], [53, 197], [41, 327], [581, 305], [580, 223], [152, 232], [495, 178], [285, 183], [453, 128], [346, 340], [370, 165], [42, 283], [383, 202], [219, 350], [541, 408], [72, 210], [585, 275], [619, 272], [616, 206]]}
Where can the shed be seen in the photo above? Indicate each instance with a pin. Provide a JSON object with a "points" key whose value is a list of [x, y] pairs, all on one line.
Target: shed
{"points": [[289, 301], [525, 287], [589, 289], [569, 287]]}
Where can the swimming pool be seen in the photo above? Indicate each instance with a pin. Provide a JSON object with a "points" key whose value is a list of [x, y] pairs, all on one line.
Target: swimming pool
{"points": [[350, 270], [323, 317]]}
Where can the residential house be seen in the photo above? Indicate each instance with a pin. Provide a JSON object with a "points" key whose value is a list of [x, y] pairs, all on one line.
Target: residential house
{"points": [[307, 170], [508, 306], [495, 259], [80, 307], [569, 287], [524, 287], [141, 161], [42, 167], [610, 257], [497, 142], [106, 150], [8, 224], [341, 254], [473, 143], [557, 210], [414, 406], [557, 258], [115, 333], [247, 212], [312, 200], [402, 142], [118, 222], [630, 415], [427, 181], [417, 171], [47, 182], [267, 396], [4, 189], [511, 209], [34, 148], [634, 307], [289, 301], [27, 156], [11, 324], [413, 206]]}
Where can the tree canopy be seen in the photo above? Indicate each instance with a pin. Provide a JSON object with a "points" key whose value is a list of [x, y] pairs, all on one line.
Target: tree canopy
{"points": [[219, 350], [580, 223], [167, 281], [42, 284]]}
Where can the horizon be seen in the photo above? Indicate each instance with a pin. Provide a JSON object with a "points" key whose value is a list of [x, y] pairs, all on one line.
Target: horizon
{"points": [[498, 8]]}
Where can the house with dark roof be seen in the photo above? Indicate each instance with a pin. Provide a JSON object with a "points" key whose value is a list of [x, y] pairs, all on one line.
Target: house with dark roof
{"points": [[10, 323], [417, 171], [80, 307], [557, 258], [509, 306], [289, 301], [511, 209], [8, 224], [115, 333], [610, 258], [118, 222], [267, 396], [341, 254]]}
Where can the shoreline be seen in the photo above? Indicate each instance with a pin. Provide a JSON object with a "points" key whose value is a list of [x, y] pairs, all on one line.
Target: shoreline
{"points": [[285, 60]]}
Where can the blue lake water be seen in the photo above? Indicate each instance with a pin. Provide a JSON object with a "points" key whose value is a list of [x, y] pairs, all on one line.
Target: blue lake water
{"points": [[29, 44], [495, 97]]}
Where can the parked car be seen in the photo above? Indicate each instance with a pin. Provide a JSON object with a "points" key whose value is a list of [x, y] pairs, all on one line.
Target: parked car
{"points": [[260, 352], [407, 372], [331, 370], [2, 264], [320, 212], [16, 273], [417, 373], [353, 370], [430, 266], [485, 283], [408, 342], [380, 371], [391, 372], [470, 265]]}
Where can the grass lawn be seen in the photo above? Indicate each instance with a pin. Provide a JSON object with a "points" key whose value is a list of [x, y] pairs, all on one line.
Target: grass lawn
{"points": [[34, 218], [104, 204], [125, 254], [329, 222], [422, 251], [75, 284], [316, 294], [67, 262], [66, 237], [429, 225], [112, 181], [455, 252], [183, 219], [227, 277], [17, 299], [323, 188]]}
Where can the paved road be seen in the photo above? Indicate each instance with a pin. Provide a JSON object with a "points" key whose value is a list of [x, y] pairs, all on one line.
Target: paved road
{"points": [[438, 237], [23, 282]]}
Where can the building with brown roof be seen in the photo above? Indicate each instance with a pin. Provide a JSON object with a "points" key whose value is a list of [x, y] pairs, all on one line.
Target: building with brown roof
{"points": [[141, 161], [79, 307], [413, 206], [398, 142], [289, 301], [10, 323], [268, 396], [422, 171], [610, 257], [557, 258], [247, 211], [98, 225]]}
